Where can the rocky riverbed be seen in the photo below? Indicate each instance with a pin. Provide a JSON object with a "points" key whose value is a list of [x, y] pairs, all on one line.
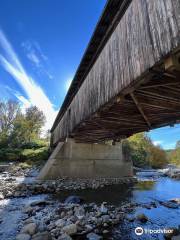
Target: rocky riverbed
{"points": [[86, 209]]}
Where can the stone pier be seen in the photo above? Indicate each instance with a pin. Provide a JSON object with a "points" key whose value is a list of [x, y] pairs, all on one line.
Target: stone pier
{"points": [[82, 160]]}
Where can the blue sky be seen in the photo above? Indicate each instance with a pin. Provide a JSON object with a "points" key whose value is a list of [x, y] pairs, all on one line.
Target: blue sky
{"points": [[41, 45]]}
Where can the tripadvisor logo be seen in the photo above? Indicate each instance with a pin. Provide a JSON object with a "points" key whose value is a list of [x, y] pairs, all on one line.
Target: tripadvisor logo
{"points": [[139, 231]]}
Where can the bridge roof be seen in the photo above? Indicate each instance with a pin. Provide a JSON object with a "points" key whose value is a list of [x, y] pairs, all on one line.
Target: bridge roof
{"points": [[112, 13]]}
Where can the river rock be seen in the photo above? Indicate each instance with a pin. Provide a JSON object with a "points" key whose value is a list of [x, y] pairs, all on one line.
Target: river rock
{"points": [[39, 203], [93, 236], [103, 208], [79, 212], [105, 218], [29, 228], [70, 229], [42, 236], [174, 233], [175, 200], [170, 204], [28, 210], [64, 237], [60, 223], [73, 199], [130, 218], [142, 218], [23, 236], [1, 196], [176, 237]]}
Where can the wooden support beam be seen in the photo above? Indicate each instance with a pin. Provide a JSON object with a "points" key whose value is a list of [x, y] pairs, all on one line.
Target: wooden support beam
{"points": [[172, 63], [160, 85], [150, 101], [160, 95], [140, 109]]}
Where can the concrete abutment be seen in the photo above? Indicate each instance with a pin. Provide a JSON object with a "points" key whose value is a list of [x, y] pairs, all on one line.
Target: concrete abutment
{"points": [[82, 160]]}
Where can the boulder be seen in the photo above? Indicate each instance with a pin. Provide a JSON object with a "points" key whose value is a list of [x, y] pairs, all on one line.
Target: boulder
{"points": [[42, 236], [93, 236], [60, 223], [142, 218], [64, 237], [70, 229], [79, 212], [29, 228], [23, 236]]}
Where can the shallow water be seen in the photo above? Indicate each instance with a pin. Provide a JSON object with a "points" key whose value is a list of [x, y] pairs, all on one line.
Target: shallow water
{"points": [[153, 188], [150, 189], [163, 189], [11, 215]]}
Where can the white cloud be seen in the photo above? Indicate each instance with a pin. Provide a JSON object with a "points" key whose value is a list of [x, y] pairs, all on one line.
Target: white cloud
{"points": [[25, 103], [156, 143], [36, 95], [34, 58], [34, 53], [68, 83]]}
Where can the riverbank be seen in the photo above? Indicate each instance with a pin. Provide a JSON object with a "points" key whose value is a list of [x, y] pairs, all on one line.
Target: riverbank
{"points": [[41, 211]]}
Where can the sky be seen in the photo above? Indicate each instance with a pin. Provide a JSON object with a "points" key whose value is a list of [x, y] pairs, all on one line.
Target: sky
{"points": [[41, 45]]}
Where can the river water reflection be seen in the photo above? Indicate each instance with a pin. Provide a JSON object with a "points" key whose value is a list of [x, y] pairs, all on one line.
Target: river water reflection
{"points": [[152, 189]]}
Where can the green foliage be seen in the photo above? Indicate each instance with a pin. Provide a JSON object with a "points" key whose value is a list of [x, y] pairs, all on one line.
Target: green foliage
{"points": [[174, 155], [39, 143], [35, 119], [35, 154], [139, 151], [18, 129], [20, 134], [144, 153], [10, 154], [158, 157], [14, 154]]}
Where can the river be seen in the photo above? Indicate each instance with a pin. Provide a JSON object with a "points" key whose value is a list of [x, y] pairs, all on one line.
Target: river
{"points": [[150, 188], [154, 188]]}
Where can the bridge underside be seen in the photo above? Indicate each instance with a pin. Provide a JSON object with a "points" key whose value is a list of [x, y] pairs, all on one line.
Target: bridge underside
{"points": [[127, 82], [152, 102]]}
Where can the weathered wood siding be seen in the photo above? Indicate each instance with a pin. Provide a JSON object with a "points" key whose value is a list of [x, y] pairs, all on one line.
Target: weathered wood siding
{"points": [[148, 31]]}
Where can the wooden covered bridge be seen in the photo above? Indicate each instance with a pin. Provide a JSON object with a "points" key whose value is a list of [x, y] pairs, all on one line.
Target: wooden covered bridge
{"points": [[127, 82]]}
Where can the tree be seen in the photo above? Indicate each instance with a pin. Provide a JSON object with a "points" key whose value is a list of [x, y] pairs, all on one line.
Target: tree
{"points": [[144, 153], [17, 128], [174, 155], [9, 111], [36, 120], [178, 144], [139, 145], [21, 132], [157, 157]]}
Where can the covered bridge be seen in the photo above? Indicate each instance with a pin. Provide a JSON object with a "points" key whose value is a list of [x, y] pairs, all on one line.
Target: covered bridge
{"points": [[128, 80]]}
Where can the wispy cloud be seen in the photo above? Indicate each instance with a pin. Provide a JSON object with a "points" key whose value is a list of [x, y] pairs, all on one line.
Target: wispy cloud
{"points": [[36, 95], [34, 53]]}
